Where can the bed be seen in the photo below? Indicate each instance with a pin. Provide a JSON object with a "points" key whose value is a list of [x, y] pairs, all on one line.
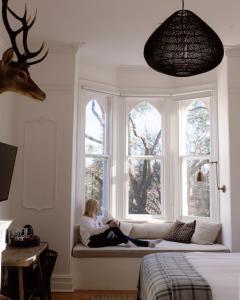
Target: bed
{"points": [[160, 277]]}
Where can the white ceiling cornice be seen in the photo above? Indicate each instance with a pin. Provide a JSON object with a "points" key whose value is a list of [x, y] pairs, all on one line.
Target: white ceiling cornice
{"points": [[55, 48], [71, 48], [232, 51]]}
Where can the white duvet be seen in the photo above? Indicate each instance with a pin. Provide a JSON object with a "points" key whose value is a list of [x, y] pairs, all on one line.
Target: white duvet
{"points": [[222, 272]]}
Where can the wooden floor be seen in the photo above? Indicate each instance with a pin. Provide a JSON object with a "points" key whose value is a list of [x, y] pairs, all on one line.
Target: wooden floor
{"points": [[85, 295]]}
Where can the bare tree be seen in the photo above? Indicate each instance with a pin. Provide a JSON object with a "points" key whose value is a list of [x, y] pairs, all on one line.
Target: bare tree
{"points": [[144, 192]]}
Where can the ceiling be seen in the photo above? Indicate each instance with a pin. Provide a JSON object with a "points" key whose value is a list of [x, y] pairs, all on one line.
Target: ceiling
{"points": [[114, 31]]}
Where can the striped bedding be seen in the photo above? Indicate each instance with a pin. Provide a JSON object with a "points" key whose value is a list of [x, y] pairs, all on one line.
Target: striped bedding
{"points": [[168, 276]]}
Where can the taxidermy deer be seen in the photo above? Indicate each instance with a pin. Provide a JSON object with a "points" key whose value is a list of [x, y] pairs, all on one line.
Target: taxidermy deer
{"points": [[14, 75]]}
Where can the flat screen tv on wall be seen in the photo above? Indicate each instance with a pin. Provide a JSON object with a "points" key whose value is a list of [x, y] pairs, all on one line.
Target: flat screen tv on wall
{"points": [[7, 161]]}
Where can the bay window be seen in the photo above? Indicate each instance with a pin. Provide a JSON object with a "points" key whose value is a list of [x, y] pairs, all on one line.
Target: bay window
{"points": [[142, 156]]}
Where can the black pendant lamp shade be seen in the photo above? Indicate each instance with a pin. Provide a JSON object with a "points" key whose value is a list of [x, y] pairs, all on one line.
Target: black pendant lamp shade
{"points": [[184, 45]]}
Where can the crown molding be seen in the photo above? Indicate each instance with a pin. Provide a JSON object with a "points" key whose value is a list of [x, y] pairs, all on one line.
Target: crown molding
{"points": [[232, 51], [194, 89], [54, 48], [58, 48]]}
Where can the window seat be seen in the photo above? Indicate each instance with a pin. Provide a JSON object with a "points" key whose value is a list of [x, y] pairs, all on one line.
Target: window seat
{"points": [[145, 231], [81, 251], [90, 265]]}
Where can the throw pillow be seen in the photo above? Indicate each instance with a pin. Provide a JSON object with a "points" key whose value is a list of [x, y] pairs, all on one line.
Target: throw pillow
{"points": [[205, 233], [126, 227], [181, 232]]}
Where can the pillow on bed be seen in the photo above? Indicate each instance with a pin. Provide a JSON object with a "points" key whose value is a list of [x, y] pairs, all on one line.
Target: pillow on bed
{"points": [[205, 233], [181, 232]]}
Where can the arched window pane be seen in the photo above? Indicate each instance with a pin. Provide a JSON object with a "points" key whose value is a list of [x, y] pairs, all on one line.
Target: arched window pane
{"points": [[144, 130], [95, 128], [197, 135], [145, 195]]}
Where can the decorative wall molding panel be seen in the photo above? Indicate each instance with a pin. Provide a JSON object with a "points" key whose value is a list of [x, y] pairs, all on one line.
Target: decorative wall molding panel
{"points": [[39, 169]]}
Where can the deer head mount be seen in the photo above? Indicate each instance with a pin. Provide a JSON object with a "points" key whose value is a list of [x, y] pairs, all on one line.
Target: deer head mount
{"points": [[14, 75]]}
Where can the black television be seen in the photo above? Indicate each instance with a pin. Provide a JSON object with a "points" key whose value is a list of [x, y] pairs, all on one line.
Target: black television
{"points": [[7, 161]]}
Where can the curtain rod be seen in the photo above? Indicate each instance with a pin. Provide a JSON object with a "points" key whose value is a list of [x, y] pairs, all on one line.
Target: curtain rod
{"points": [[206, 92]]}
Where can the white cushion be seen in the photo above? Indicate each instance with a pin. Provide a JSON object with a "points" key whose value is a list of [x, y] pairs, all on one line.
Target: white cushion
{"points": [[164, 246], [126, 227], [205, 233], [151, 230]]}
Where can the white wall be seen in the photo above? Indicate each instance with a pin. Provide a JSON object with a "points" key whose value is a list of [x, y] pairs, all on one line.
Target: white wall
{"points": [[224, 152], [229, 145], [49, 123], [234, 129]]}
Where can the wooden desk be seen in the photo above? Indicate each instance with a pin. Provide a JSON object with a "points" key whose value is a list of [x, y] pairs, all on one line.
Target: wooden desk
{"points": [[21, 258]]}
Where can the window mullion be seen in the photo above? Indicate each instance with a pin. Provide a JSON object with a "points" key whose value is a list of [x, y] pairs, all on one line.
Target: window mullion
{"points": [[103, 156], [145, 157]]}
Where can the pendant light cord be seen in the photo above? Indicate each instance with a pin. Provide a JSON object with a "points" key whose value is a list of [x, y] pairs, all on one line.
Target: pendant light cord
{"points": [[182, 4]]}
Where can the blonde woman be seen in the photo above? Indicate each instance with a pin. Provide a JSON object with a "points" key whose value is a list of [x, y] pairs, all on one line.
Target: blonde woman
{"points": [[102, 231]]}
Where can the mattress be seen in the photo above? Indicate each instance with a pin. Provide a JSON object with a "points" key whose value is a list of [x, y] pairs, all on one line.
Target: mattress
{"points": [[222, 272]]}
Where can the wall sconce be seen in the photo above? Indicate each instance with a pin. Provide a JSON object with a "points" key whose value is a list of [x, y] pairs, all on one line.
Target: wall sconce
{"points": [[200, 176]]}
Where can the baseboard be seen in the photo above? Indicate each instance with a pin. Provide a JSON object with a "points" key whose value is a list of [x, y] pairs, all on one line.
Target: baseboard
{"points": [[62, 283]]}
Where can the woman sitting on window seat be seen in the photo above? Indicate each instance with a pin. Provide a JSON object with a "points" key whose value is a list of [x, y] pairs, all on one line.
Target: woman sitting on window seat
{"points": [[96, 232]]}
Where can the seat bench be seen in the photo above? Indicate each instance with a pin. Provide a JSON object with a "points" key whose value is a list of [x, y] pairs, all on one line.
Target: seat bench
{"points": [[146, 231], [79, 250], [91, 266]]}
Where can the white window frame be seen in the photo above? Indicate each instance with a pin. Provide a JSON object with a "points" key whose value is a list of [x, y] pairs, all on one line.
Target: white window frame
{"points": [[214, 194], [118, 125], [105, 102], [158, 104]]}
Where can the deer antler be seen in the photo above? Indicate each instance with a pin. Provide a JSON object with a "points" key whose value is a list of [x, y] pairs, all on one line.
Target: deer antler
{"points": [[24, 29]]}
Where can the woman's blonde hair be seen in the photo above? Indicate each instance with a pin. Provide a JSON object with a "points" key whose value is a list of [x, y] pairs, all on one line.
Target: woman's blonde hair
{"points": [[90, 207]]}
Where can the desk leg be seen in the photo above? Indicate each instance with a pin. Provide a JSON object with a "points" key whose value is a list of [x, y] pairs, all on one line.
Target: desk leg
{"points": [[20, 283]]}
